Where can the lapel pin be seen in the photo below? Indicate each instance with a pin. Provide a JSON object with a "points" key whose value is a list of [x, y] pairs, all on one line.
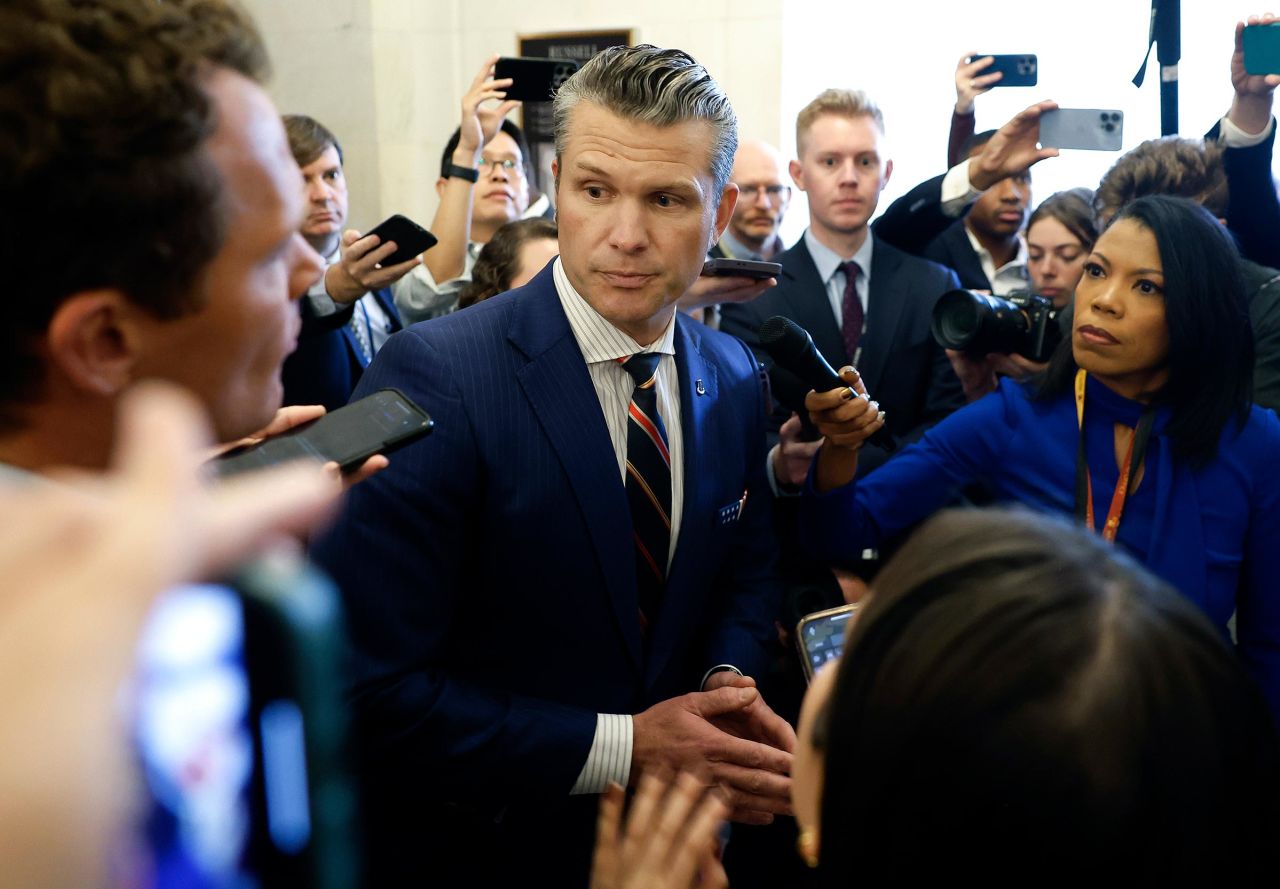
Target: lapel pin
{"points": [[699, 388]]}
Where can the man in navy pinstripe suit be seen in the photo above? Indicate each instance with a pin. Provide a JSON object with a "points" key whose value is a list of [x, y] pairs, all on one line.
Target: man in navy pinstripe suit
{"points": [[504, 673]]}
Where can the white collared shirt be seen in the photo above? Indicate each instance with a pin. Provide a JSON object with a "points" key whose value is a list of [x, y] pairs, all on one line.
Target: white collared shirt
{"points": [[1009, 277], [602, 344]]}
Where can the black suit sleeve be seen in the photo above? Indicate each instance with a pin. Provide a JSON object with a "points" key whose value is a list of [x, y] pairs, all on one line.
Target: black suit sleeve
{"points": [[915, 219], [1253, 209]]}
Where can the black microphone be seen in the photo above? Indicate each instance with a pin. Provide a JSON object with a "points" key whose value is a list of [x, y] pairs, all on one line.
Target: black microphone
{"points": [[792, 349]]}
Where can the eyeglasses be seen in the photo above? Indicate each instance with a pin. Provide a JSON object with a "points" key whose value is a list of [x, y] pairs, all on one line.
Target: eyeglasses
{"points": [[505, 163], [775, 193]]}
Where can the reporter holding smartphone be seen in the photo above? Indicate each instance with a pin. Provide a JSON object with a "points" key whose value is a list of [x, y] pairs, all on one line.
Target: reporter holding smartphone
{"points": [[349, 313]]}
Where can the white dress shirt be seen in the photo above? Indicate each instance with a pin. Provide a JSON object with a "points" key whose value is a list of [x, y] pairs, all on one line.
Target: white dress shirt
{"points": [[602, 345]]}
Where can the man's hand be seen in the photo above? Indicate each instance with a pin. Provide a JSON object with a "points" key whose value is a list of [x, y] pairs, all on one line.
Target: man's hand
{"points": [[681, 734], [755, 722], [669, 840], [970, 83], [479, 125], [83, 557], [793, 456], [358, 271], [980, 376], [296, 415], [1251, 106], [710, 290], [1012, 149]]}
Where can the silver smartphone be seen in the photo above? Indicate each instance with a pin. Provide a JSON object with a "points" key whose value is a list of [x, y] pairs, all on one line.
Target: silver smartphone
{"points": [[1090, 129]]}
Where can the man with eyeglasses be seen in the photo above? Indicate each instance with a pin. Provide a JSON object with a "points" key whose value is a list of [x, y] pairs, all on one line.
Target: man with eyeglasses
{"points": [[483, 185], [758, 172]]}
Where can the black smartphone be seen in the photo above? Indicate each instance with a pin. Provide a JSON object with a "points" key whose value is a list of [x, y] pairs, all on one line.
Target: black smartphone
{"points": [[1091, 129], [533, 80], [820, 636], [302, 801], [376, 424], [1262, 49], [1021, 69], [239, 726], [411, 239], [741, 268]]}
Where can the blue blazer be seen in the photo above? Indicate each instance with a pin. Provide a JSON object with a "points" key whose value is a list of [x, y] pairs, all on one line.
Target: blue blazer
{"points": [[489, 573], [1212, 532], [327, 364]]}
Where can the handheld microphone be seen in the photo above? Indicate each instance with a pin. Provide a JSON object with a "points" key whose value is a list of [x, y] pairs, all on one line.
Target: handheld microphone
{"points": [[792, 349]]}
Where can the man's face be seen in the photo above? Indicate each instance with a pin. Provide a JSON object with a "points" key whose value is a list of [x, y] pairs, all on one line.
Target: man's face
{"points": [[637, 210], [502, 194], [326, 191], [842, 169], [230, 351], [762, 194], [1002, 210]]}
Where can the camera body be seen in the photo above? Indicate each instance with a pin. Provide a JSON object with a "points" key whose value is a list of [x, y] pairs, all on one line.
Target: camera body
{"points": [[1021, 322]]}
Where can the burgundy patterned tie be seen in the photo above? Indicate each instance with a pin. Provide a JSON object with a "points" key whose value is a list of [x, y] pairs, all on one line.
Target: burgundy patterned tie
{"points": [[851, 308], [648, 484]]}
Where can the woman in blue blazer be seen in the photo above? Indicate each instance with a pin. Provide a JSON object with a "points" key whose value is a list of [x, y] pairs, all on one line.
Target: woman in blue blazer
{"points": [[1143, 426]]}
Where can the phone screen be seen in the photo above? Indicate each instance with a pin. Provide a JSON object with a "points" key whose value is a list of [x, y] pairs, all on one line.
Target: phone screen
{"points": [[194, 742], [348, 436], [821, 637]]}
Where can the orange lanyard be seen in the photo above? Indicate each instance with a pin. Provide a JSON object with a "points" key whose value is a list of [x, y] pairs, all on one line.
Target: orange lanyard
{"points": [[1084, 483]]}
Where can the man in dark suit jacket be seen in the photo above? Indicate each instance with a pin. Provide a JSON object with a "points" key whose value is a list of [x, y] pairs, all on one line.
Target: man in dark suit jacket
{"points": [[977, 233], [520, 636], [349, 313], [842, 169]]}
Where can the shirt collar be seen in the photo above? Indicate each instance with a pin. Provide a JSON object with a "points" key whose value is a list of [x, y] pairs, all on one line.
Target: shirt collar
{"points": [[598, 339], [828, 261], [984, 256]]}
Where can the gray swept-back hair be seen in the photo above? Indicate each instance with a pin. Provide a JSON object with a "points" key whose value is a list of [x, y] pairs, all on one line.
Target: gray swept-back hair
{"points": [[662, 87]]}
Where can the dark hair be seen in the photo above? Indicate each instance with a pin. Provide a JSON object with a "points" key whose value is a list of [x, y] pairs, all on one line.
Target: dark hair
{"points": [[446, 158], [499, 259], [976, 141], [1210, 336], [1189, 168], [1074, 209], [308, 138], [1021, 701], [104, 179]]}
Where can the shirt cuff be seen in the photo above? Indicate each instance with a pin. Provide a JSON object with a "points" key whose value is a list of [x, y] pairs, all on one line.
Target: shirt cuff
{"points": [[609, 759], [419, 297], [1231, 136], [957, 191]]}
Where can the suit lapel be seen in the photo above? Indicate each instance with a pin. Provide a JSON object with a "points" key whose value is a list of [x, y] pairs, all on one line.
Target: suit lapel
{"points": [[810, 307], [699, 390], [388, 303], [559, 389], [963, 259], [884, 314]]}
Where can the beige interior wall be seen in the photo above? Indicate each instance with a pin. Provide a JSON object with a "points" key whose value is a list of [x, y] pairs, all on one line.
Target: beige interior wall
{"points": [[386, 75]]}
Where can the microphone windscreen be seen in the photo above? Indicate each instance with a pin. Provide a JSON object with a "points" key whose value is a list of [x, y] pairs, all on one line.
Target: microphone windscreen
{"points": [[783, 337]]}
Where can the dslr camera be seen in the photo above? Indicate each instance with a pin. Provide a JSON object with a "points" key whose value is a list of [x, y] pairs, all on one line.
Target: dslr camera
{"points": [[1022, 322]]}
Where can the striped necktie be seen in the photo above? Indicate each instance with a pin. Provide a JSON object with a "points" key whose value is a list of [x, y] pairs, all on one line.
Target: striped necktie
{"points": [[648, 484]]}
